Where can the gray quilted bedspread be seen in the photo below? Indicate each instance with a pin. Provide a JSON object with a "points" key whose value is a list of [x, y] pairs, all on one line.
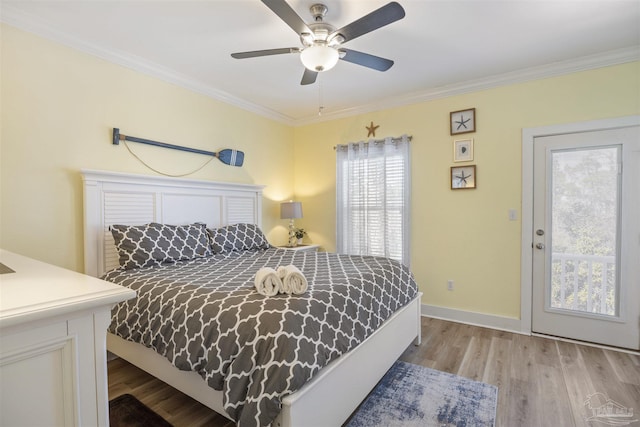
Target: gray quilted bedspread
{"points": [[205, 315]]}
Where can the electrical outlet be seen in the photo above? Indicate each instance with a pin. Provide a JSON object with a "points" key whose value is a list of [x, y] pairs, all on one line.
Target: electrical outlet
{"points": [[450, 285]]}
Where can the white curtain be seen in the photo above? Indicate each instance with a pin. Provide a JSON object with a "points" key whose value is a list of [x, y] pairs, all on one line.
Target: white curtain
{"points": [[373, 192]]}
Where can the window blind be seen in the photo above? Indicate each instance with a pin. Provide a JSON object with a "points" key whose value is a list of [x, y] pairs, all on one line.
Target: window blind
{"points": [[373, 190]]}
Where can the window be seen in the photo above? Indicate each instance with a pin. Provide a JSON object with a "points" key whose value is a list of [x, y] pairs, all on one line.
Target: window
{"points": [[373, 190]]}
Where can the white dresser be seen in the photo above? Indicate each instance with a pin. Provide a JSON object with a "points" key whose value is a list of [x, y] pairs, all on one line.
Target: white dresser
{"points": [[53, 323]]}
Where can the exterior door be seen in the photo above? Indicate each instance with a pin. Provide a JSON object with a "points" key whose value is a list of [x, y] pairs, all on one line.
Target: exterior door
{"points": [[586, 242]]}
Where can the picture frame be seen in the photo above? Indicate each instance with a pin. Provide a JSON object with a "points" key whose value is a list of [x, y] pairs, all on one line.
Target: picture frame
{"points": [[463, 177], [463, 150], [462, 121]]}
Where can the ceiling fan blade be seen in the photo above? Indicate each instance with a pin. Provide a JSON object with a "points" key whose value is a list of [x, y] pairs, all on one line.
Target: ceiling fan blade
{"points": [[309, 77], [266, 52], [288, 15], [366, 60], [386, 15]]}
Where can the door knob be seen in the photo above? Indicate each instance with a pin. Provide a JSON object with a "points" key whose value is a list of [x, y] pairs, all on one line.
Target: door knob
{"points": [[540, 245]]}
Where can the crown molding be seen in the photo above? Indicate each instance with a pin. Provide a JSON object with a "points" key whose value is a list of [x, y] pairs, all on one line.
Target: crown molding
{"points": [[585, 63], [19, 19], [16, 18]]}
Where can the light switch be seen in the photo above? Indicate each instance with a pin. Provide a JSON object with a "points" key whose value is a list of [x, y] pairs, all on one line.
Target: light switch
{"points": [[513, 215]]}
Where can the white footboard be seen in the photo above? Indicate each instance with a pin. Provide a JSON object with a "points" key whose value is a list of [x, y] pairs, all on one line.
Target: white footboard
{"points": [[340, 387], [328, 399]]}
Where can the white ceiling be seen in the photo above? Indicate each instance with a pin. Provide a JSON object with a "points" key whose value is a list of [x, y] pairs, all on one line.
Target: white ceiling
{"points": [[440, 48]]}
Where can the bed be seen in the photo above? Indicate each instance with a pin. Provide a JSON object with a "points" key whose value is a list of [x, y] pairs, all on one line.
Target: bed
{"points": [[114, 198]]}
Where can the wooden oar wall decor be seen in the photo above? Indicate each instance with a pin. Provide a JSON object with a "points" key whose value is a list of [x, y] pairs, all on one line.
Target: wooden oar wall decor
{"points": [[226, 156]]}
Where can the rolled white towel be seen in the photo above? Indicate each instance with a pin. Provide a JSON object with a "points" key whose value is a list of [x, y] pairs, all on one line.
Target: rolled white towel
{"points": [[268, 282], [286, 287], [294, 280]]}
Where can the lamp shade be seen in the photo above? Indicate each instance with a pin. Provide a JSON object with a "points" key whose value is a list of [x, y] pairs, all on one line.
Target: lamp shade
{"points": [[290, 210], [319, 57]]}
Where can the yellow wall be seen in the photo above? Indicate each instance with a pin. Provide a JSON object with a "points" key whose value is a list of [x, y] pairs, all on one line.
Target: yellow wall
{"points": [[59, 106], [464, 235], [58, 110]]}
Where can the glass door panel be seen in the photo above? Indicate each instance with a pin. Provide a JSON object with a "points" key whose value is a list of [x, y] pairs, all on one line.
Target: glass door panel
{"points": [[585, 201]]}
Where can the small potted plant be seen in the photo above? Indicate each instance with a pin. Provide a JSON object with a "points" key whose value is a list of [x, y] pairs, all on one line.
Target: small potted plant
{"points": [[299, 233]]}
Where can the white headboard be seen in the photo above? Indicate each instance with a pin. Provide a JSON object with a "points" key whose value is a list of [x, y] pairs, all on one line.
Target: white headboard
{"points": [[119, 198]]}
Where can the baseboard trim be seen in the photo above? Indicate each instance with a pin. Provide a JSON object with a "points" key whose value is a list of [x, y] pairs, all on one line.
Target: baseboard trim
{"points": [[501, 323]]}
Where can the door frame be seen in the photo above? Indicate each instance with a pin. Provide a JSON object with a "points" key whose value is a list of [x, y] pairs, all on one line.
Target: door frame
{"points": [[526, 239]]}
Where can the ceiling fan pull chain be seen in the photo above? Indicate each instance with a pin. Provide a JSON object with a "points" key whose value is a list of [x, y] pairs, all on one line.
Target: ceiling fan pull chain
{"points": [[320, 101]]}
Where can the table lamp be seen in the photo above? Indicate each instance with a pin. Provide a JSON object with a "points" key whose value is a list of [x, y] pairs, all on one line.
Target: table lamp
{"points": [[291, 210]]}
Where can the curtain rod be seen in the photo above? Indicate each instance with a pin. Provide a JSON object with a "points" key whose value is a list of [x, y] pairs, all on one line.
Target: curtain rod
{"points": [[378, 141]]}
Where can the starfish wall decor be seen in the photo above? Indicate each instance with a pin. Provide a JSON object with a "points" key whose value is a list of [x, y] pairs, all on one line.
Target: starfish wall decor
{"points": [[371, 130], [463, 121]]}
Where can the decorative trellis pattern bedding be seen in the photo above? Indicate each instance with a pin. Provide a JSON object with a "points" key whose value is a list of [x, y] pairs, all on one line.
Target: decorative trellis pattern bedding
{"points": [[205, 315]]}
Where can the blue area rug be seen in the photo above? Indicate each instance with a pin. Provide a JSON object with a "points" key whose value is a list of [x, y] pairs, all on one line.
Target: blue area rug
{"points": [[411, 395]]}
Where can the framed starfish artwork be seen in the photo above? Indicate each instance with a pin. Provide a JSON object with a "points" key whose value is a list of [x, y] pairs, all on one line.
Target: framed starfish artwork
{"points": [[463, 121], [463, 177]]}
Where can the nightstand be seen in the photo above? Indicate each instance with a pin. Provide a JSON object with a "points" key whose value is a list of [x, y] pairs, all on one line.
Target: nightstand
{"points": [[305, 248]]}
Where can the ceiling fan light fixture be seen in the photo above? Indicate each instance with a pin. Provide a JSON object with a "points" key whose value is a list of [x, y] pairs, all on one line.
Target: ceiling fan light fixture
{"points": [[319, 57]]}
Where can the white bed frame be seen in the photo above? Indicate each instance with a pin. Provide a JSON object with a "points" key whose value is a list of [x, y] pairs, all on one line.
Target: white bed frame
{"points": [[333, 394]]}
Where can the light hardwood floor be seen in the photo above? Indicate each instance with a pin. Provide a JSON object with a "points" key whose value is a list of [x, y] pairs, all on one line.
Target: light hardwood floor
{"points": [[541, 382]]}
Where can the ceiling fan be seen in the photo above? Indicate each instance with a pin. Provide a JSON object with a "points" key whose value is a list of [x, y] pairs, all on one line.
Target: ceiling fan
{"points": [[322, 43]]}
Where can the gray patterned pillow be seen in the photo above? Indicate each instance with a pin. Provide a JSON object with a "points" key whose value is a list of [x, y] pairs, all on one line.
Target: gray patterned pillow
{"points": [[237, 237], [153, 244]]}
